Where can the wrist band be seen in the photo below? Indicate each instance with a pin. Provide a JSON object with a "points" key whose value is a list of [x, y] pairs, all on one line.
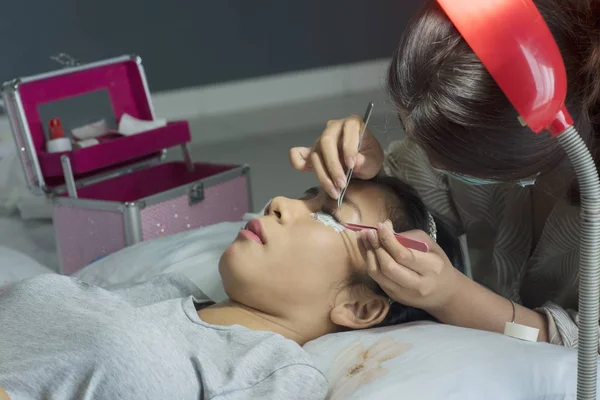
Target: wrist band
{"points": [[514, 306], [518, 331]]}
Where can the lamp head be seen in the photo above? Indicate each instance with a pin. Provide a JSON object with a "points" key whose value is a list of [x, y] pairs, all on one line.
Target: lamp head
{"points": [[513, 42]]}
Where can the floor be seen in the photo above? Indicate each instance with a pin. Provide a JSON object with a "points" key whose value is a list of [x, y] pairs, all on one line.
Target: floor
{"points": [[267, 153]]}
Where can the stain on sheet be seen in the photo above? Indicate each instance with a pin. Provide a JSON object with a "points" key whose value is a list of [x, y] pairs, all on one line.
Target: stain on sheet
{"points": [[356, 366]]}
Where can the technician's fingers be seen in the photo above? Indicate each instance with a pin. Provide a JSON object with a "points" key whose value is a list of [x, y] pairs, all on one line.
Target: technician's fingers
{"points": [[300, 158], [323, 177], [389, 286], [350, 138], [397, 251], [397, 273], [330, 145]]}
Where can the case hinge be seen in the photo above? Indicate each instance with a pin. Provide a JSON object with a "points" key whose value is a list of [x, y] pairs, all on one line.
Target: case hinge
{"points": [[196, 194]]}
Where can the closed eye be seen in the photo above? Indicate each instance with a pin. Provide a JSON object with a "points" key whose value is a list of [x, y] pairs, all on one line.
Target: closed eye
{"points": [[310, 193], [314, 192], [331, 212]]}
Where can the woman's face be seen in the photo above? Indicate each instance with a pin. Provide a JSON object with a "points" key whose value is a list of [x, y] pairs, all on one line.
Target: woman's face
{"points": [[288, 265]]}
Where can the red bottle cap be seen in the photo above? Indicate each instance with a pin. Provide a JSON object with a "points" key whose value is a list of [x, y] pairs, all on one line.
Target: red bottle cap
{"points": [[56, 129]]}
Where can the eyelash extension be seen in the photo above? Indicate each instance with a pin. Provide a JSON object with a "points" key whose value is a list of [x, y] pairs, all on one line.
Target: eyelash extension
{"points": [[330, 212], [328, 220], [312, 192]]}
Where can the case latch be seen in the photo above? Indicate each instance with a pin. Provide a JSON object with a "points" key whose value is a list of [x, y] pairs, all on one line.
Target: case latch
{"points": [[196, 194]]}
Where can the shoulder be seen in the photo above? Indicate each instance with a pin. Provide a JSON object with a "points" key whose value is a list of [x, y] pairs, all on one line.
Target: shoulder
{"points": [[291, 381], [299, 380], [272, 366], [405, 151], [405, 160], [44, 281], [160, 288], [44, 287]]}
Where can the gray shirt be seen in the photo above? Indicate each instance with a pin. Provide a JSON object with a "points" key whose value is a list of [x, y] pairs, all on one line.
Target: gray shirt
{"points": [[61, 338], [499, 221]]}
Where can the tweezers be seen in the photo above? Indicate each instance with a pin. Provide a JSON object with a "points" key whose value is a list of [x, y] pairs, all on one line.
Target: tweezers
{"points": [[403, 240], [360, 139]]}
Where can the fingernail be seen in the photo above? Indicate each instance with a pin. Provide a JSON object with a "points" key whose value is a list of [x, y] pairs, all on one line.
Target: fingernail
{"points": [[350, 162], [380, 226], [389, 225], [334, 193], [340, 183]]}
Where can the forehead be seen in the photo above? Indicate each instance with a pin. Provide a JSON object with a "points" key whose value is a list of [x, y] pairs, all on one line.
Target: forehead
{"points": [[373, 200]]}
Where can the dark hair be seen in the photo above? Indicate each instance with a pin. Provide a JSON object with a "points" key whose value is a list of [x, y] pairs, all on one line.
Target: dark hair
{"points": [[451, 106], [408, 212]]}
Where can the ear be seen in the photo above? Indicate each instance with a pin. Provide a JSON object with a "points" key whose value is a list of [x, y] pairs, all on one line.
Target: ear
{"points": [[359, 311]]}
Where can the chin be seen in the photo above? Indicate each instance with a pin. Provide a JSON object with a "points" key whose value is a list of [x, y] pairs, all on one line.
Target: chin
{"points": [[232, 270], [225, 264]]}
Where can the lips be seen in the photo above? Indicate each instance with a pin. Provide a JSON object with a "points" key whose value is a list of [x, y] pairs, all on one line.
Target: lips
{"points": [[253, 231]]}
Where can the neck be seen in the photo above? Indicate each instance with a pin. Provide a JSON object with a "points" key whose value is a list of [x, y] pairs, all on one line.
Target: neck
{"points": [[229, 313]]}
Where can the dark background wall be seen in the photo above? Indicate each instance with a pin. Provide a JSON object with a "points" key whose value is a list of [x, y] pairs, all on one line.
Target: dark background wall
{"points": [[196, 42]]}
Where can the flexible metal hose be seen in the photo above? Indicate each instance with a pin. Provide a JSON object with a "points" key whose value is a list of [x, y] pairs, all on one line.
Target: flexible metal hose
{"points": [[589, 261]]}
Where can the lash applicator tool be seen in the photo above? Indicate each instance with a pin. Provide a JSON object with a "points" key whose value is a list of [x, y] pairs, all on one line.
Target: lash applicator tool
{"points": [[330, 221], [403, 240], [366, 119]]}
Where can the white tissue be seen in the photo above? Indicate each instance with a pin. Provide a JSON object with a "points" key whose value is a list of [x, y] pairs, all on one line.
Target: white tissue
{"points": [[93, 130], [129, 125], [87, 143]]}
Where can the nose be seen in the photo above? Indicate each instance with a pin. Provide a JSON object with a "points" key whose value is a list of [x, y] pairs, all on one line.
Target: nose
{"points": [[286, 210]]}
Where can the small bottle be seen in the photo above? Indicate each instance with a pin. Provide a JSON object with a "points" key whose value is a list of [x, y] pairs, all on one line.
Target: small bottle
{"points": [[58, 143]]}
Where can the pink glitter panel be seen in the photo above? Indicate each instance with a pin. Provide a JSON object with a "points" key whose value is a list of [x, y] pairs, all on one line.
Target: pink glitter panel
{"points": [[85, 235], [227, 201]]}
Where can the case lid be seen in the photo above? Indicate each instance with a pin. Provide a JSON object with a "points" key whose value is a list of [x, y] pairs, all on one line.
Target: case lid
{"points": [[102, 90]]}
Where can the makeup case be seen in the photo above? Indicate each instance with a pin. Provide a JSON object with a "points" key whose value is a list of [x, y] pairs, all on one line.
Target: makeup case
{"points": [[121, 191]]}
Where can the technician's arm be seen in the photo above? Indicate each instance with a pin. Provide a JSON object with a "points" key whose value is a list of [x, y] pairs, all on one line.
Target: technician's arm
{"points": [[474, 306]]}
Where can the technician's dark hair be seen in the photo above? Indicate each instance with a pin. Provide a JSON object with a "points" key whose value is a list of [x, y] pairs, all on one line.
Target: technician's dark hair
{"points": [[450, 105], [408, 212]]}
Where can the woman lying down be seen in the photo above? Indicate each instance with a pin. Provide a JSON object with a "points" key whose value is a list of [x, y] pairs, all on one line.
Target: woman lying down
{"points": [[290, 279]]}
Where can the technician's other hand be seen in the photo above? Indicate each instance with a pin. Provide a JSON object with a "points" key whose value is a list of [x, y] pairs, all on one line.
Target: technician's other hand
{"points": [[423, 280], [336, 150]]}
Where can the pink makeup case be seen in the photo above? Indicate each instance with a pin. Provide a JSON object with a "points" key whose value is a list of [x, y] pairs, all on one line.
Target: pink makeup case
{"points": [[118, 192]]}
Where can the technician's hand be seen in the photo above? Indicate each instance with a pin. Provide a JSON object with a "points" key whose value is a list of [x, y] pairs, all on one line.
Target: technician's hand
{"points": [[423, 280], [335, 151]]}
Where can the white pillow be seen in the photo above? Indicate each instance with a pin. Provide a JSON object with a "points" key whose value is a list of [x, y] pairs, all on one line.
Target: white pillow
{"points": [[193, 253], [427, 361], [15, 266]]}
